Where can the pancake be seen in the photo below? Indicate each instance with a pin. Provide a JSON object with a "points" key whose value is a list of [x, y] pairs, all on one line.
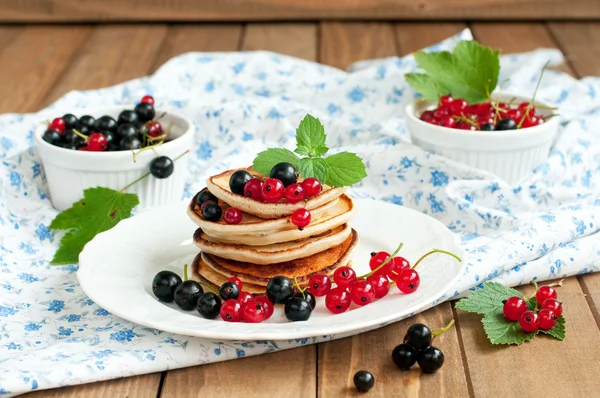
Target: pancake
{"points": [[275, 253], [218, 185], [204, 274], [332, 218], [303, 268]]}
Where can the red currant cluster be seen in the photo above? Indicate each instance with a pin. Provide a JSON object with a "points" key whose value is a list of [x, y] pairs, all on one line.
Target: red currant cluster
{"points": [[487, 116], [241, 306], [550, 309]]}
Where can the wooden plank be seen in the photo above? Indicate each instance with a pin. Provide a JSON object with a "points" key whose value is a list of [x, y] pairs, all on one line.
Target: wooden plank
{"points": [[591, 287], [544, 366], [345, 43], [580, 43], [289, 373], [185, 38], [415, 36], [113, 54], [268, 10], [144, 386], [277, 38], [31, 60]]}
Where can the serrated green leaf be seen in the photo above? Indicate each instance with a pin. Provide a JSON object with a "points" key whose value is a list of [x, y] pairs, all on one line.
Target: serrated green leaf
{"points": [[500, 330], [265, 160], [313, 167], [345, 169], [426, 86], [559, 331], [488, 299], [531, 303], [98, 211], [320, 150], [310, 135], [302, 150]]}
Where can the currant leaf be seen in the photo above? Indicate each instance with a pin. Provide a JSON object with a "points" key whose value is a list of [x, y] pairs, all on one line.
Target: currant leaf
{"points": [[559, 331], [500, 330], [488, 299]]}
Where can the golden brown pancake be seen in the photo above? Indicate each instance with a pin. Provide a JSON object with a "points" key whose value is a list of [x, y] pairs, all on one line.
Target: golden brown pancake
{"points": [[204, 274]]}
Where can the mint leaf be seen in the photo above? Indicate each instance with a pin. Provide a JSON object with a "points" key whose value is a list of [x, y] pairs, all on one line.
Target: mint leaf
{"points": [[310, 135], [488, 299], [345, 169], [426, 86], [265, 160], [558, 331], [500, 330], [320, 150], [98, 211], [302, 150], [313, 167]]}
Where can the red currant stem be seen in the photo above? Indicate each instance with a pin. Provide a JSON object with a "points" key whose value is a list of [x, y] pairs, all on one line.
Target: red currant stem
{"points": [[126, 187], [439, 332], [383, 264], [160, 117], [436, 251], [211, 288], [557, 284], [535, 285], [85, 138], [299, 288], [185, 273], [160, 137], [537, 86], [145, 149]]}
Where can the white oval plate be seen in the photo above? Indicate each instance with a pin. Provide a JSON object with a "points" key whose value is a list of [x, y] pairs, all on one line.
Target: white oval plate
{"points": [[117, 267]]}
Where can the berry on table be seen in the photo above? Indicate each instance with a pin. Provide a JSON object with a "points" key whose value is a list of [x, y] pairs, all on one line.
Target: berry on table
{"points": [[229, 290], [106, 123], [127, 117], [544, 293], [514, 307], [238, 181], [430, 359], [363, 380], [280, 289], [362, 292], [408, 281], [145, 112], [529, 321], [187, 294], [231, 311], [51, 137], [419, 336], [161, 167], [297, 309], [253, 189], [253, 312], [205, 195], [319, 285], [344, 277], [212, 212], [294, 193], [311, 187], [147, 99], [233, 215], [337, 300], [381, 285], [237, 281], [552, 305], [301, 218], [404, 356], [284, 172], [97, 142], [209, 305], [164, 285], [267, 305], [547, 319], [272, 190]]}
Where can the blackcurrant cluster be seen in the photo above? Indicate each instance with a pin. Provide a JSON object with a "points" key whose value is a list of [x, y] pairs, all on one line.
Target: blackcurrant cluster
{"points": [[417, 348], [298, 303]]}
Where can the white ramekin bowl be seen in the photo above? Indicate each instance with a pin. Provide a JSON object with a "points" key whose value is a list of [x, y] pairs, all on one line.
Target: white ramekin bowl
{"points": [[509, 154], [70, 172]]}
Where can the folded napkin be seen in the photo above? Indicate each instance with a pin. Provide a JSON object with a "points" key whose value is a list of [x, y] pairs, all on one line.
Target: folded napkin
{"points": [[52, 335]]}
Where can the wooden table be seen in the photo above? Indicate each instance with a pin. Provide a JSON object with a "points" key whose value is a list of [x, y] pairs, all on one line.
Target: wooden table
{"points": [[40, 63]]}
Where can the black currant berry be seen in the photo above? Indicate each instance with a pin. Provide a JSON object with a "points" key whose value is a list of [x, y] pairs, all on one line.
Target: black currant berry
{"points": [[164, 285], [187, 294], [205, 195], [430, 359], [127, 117], [364, 380], [488, 127], [238, 181], [404, 356], [280, 289], [51, 137], [310, 299], [70, 121], [112, 143], [209, 305], [130, 143], [229, 290], [419, 336], [212, 212], [86, 124], [161, 167], [297, 309], [106, 123], [506, 124], [126, 130], [145, 112], [284, 172]]}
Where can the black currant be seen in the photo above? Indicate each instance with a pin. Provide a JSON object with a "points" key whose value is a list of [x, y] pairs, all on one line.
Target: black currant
{"points": [[70, 121], [212, 212], [430, 359], [238, 181], [209, 305], [126, 130], [187, 294], [488, 127], [419, 336], [506, 124], [164, 285], [127, 117], [85, 125], [111, 141], [284, 172], [364, 380], [106, 123], [51, 137], [205, 195], [280, 289], [229, 290], [145, 112], [161, 167], [297, 309], [310, 299], [404, 356], [130, 143]]}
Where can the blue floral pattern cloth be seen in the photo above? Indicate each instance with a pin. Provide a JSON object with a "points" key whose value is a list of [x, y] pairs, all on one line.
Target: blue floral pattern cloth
{"points": [[52, 335]]}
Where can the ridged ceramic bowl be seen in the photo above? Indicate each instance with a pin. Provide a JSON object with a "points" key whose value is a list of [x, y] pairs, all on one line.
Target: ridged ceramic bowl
{"points": [[70, 172], [509, 154]]}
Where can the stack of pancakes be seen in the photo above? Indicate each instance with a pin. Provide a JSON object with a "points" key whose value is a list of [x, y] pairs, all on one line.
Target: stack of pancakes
{"points": [[266, 243]]}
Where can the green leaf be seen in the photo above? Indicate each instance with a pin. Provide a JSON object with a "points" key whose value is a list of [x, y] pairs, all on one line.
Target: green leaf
{"points": [[345, 169], [98, 211], [320, 150], [265, 160], [488, 299], [310, 135], [313, 167], [558, 331], [426, 86], [500, 330], [302, 150]]}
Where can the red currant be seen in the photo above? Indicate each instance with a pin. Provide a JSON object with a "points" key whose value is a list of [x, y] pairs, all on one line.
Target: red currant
{"points": [[530, 121], [58, 124], [294, 193], [148, 99], [523, 108], [398, 264], [253, 189], [244, 298], [97, 142], [237, 282], [155, 129], [344, 277], [441, 112], [465, 126], [445, 100], [514, 307], [253, 312], [231, 311], [381, 285], [232, 215], [377, 259], [272, 190], [447, 121], [427, 116], [337, 300], [544, 293], [311, 187], [458, 106], [319, 285], [301, 218], [552, 305], [408, 281], [547, 319], [529, 321], [267, 305], [362, 292], [514, 114]]}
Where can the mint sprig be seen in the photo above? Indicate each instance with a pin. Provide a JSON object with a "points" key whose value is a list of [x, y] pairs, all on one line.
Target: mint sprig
{"points": [[339, 170]]}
